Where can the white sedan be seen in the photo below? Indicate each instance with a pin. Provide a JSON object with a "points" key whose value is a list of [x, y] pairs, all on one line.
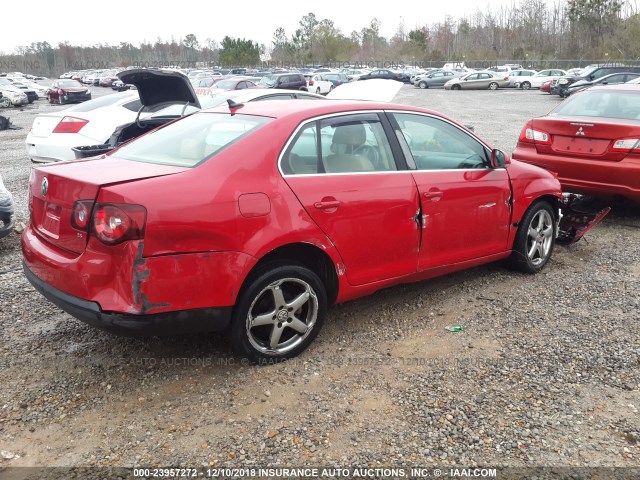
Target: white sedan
{"points": [[54, 134], [317, 84], [536, 81]]}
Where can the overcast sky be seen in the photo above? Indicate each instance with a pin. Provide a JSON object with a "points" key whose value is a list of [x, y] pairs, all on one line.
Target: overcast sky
{"points": [[112, 22]]}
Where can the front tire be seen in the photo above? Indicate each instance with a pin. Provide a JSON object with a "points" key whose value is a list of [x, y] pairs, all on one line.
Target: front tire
{"points": [[534, 242], [526, 85], [423, 85], [455, 87], [278, 314]]}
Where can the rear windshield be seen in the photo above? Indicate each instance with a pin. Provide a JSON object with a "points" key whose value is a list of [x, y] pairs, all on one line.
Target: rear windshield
{"points": [[601, 103], [105, 101], [191, 140]]}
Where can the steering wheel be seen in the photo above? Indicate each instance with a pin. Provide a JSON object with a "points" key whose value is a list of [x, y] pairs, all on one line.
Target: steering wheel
{"points": [[472, 161], [369, 152]]}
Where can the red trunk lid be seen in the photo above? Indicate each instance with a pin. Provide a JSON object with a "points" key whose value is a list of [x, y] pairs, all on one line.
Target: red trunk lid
{"points": [[51, 205], [584, 137]]}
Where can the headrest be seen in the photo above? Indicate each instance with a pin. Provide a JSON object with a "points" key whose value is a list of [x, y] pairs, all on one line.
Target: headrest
{"points": [[350, 135]]}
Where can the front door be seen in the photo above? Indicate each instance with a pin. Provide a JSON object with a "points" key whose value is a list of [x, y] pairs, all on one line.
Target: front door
{"points": [[465, 204]]}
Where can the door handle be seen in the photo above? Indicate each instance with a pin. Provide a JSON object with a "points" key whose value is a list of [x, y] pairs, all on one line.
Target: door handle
{"points": [[434, 195], [327, 205]]}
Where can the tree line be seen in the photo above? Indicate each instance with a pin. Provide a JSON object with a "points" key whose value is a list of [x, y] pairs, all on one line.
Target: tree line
{"points": [[530, 32]]}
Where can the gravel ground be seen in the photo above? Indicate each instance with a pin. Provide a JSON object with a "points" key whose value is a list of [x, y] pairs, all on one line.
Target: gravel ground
{"points": [[545, 373]]}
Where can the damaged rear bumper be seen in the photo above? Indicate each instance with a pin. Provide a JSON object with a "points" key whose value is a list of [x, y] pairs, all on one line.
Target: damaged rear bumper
{"points": [[577, 218], [165, 323]]}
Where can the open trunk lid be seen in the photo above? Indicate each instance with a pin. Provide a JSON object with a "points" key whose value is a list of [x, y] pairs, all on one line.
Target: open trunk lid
{"points": [[157, 87], [53, 190]]}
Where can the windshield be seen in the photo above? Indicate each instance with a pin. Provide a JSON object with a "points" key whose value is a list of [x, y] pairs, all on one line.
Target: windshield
{"points": [[225, 84], [601, 103], [268, 80], [586, 71], [191, 140], [69, 83]]}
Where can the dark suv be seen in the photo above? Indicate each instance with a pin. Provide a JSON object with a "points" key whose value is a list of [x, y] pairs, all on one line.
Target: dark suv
{"points": [[287, 81], [591, 73]]}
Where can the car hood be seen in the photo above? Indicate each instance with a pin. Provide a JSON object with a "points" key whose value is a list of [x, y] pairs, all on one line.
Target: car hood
{"points": [[74, 89], [377, 90], [156, 87]]}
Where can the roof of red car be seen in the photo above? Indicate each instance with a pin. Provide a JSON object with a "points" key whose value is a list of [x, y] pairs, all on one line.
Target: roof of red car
{"points": [[311, 108]]}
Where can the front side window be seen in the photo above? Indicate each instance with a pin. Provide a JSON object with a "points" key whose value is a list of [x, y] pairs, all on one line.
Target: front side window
{"points": [[345, 144], [192, 140], [438, 145]]}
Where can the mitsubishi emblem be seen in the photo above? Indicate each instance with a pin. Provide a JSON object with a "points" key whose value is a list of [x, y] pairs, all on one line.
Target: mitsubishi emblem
{"points": [[580, 132], [45, 186]]}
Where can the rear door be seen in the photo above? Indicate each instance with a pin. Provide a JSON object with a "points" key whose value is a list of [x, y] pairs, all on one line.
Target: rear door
{"points": [[465, 205], [343, 171]]}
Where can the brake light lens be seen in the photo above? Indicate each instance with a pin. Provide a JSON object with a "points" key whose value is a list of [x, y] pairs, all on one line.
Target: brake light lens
{"points": [[531, 135], [311, 82], [116, 223], [70, 125], [626, 145], [81, 214]]}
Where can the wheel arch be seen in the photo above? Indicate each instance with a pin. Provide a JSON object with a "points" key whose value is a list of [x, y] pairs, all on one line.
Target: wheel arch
{"points": [[306, 254]]}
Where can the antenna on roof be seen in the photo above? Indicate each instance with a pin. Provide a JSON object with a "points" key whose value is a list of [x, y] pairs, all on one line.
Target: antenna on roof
{"points": [[233, 104]]}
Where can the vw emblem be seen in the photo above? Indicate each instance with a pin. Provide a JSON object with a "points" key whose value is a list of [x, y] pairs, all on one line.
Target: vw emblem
{"points": [[580, 132], [45, 186]]}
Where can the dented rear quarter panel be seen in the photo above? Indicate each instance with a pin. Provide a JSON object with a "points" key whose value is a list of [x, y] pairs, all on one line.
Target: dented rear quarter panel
{"points": [[196, 230]]}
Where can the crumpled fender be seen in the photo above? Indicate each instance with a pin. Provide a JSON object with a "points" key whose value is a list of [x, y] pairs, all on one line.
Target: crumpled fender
{"points": [[578, 217]]}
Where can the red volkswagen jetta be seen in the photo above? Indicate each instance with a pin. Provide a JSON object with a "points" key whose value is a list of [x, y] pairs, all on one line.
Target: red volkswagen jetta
{"points": [[257, 217]]}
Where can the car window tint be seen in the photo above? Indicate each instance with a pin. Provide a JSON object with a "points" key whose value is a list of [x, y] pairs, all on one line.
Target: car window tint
{"points": [[105, 101], [348, 145], [356, 146], [439, 145], [192, 140]]}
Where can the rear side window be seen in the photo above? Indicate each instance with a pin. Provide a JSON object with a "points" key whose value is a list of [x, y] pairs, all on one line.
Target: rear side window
{"points": [[346, 144], [192, 140]]}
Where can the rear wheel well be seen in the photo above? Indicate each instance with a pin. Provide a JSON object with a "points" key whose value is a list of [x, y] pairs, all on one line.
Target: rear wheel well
{"points": [[303, 254]]}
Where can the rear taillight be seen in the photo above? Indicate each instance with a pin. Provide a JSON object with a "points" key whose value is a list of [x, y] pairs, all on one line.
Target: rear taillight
{"points": [[81, 214], [115, 223], [626, 145], [70, 125], [531, 135], [311, 82]]}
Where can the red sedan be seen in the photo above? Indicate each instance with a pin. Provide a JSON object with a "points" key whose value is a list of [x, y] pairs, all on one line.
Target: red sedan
{"points": [[257, 217], [68, 91], [591, 140]]}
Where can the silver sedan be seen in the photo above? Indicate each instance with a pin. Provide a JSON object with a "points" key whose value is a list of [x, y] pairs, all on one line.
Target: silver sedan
{"points": [[478, 81]]}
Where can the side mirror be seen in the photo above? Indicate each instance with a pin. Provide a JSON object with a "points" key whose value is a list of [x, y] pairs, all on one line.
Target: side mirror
{"points": [[499, 159], [591, 77]]}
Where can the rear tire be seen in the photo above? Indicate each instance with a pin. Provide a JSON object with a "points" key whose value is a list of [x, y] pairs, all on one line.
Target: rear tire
{"points": [[535, 239], [318, 91], [493, 86], [278, 314]]}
